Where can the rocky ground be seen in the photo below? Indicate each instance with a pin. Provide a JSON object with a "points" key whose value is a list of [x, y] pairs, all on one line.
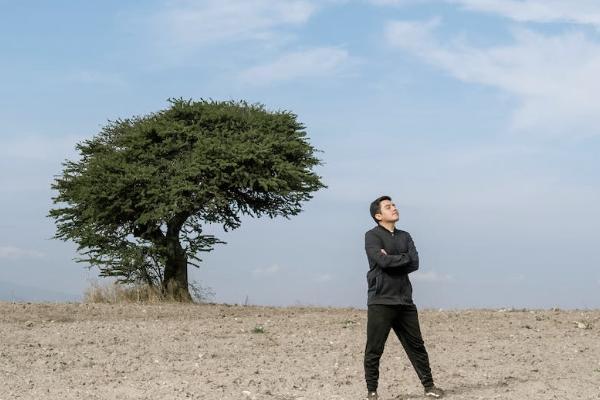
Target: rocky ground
{"points": [[171, 351]]}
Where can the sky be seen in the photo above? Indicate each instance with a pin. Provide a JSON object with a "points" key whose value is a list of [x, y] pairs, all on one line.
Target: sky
{"points": [[481, 118]]}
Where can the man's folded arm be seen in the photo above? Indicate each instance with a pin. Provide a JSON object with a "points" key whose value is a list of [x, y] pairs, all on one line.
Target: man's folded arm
{"points": [[373, 246], [413, 254]]}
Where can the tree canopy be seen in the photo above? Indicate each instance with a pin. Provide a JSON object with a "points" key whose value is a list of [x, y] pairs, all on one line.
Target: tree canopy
{"points": [[138, 196]]}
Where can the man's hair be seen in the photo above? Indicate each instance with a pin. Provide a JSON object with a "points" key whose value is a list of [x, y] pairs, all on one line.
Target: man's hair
{"points": [[376, 207]]}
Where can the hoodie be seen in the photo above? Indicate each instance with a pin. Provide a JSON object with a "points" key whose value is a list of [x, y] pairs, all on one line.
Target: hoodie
{"points": [[387, 278]]}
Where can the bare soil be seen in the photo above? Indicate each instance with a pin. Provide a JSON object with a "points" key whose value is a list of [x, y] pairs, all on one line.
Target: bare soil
{"points": [[174, 351]]}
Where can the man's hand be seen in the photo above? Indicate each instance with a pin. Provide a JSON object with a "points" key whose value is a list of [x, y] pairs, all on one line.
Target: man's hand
{"points": [[383, 252]]}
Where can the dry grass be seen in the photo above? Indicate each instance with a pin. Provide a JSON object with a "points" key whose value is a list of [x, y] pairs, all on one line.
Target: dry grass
{"points": [[113, 293]]}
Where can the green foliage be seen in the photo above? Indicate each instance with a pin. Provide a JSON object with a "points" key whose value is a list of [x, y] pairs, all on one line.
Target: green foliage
{"points": [[144, 186]]}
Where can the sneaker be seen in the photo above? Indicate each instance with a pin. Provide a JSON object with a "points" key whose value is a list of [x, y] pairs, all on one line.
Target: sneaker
{"points": [[372, 396], [434, 391]]}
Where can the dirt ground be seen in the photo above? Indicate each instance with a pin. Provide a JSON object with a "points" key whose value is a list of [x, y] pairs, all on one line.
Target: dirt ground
{"points": [[171, 351]]}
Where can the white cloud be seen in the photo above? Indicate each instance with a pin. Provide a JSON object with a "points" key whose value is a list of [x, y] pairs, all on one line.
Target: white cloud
{"points": [[15, 253], [554, 77], [585, 12], [431, 276], [397, 2], [579, 11], [311, 63], [267, 271], [412, 35], [390, 2], [187, 22]]}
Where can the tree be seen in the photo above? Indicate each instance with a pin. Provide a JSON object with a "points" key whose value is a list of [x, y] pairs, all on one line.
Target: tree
{"points": [[137, 198]]}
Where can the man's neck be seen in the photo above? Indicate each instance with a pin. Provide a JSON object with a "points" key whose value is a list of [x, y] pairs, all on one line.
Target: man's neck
{"points": [[390, 226]]}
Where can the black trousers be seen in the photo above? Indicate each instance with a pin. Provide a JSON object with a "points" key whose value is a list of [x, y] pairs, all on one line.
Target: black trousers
{"points": [[404, 320]]}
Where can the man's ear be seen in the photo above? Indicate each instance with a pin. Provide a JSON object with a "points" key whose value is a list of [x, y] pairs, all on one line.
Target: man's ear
{"points": [[378, 217]]}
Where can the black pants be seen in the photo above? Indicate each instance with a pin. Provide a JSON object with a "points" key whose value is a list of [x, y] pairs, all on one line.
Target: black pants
{"points": [[404, 320]]}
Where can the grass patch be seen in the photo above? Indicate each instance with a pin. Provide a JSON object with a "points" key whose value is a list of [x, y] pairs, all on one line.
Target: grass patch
{"points": [[348, 323], [113, 293]]}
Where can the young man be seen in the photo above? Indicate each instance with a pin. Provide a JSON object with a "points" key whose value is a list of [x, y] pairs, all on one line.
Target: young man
{"points": [[392, 256]]}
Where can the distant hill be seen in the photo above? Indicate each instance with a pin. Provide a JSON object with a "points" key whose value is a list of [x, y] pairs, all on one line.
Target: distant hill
{"points": [[15, 292]]}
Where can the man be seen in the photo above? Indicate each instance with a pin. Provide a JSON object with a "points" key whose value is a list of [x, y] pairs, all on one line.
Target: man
{"points": [[392, 256]]}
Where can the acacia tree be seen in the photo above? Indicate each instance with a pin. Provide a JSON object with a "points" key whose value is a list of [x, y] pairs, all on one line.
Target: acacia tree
{"points": [[136, 199]]}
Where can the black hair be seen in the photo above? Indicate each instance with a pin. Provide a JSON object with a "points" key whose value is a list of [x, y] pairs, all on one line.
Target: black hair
{"points": [[376, 207]]}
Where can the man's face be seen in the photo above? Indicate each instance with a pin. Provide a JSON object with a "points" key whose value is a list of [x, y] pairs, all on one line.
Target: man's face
{"points": [[388, 213]]}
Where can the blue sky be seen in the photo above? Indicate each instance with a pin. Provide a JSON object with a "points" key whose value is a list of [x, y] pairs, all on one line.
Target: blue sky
{"points": [[481, 118]]}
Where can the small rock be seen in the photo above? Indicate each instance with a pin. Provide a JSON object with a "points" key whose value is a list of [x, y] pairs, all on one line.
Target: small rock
{"points": [[583, 325]]}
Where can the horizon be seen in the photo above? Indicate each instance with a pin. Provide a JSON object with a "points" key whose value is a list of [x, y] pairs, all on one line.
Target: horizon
{"points": [[292, 306]]}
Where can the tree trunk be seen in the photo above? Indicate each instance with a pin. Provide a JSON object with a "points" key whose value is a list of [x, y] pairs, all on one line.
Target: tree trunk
{"points": [[175, 282]]}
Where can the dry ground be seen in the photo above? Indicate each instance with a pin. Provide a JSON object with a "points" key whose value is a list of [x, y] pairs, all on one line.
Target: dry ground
{"points": [[171, 351]]}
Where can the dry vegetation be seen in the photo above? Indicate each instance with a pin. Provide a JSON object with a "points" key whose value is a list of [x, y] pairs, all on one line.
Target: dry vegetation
{"points": [[113, 293]]}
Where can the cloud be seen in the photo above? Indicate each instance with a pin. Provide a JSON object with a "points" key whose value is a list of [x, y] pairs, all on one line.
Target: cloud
{"points": [[191, 23], [586, 12], [554, 77], [267, 271], [397, 2], [579, 12], [431, 276], [390, 2], [16, 253], [311, 63]]}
